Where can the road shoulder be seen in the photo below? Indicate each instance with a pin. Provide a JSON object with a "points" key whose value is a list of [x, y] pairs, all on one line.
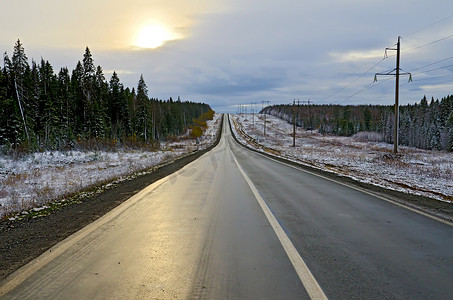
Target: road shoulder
{"points": [[21, 241]]}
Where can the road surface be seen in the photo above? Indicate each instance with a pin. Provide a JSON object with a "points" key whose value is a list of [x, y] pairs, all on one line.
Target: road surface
{"points": [[237, 225]]}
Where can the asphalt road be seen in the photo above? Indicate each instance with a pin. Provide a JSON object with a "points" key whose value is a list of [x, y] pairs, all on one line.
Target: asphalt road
{"points": [[236, 225]]}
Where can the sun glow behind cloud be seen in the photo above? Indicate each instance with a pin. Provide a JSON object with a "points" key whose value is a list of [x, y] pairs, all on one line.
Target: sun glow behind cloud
{"points": [[241, 46], [152, 36]]}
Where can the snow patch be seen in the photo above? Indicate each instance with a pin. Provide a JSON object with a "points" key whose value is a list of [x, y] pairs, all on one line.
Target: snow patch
{"points": [[39, 178], [421, 172]]}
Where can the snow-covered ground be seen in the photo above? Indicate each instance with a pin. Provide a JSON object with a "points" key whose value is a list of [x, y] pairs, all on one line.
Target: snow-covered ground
{"points": [[421, 172], [39, 178]]}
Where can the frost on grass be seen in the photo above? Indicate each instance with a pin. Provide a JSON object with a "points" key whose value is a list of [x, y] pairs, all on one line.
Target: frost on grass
{"points": [[421, 172], [36, 179]]}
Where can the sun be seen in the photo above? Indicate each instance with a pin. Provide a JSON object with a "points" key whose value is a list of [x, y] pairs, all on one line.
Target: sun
{"points": [[154, 36]]}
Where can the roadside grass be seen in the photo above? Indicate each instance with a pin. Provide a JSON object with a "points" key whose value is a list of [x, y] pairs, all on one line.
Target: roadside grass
{"points": [[52, 179]]}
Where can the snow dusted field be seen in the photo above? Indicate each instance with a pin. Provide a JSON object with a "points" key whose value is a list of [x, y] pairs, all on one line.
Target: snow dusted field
{"points": [[35, 180], [421, 172]]}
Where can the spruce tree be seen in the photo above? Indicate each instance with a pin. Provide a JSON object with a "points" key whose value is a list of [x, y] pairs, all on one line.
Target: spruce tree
{"points": [[19, 67], [116, 105], [19, 61], [88, 75], [142, 115], [78, 100], [66, 109], [87, 84]]}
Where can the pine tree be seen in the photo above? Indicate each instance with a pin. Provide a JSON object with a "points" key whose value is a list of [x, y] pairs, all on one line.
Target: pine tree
{"points": [[87, 84], [3, 113], [19, 61], [66, 109], [19, 66], [77, 98], [450, 131], [88, 76], [143, 119], [116, 106], [60, 108], [100, 120]]}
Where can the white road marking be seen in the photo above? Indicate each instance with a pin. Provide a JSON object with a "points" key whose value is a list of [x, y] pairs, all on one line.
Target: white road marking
{"points": [[361, 190], [312, 287]]}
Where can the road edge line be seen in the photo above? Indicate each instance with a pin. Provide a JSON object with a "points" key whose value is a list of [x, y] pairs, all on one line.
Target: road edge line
{"points": [[312, 287], [284, 161], [415, 210]]}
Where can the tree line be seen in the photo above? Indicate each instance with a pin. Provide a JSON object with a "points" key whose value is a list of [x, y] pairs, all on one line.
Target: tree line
{"points": [[422, 125], [41, 109]]}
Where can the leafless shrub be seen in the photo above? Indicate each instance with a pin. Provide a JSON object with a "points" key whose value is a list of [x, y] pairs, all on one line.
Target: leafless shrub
{"points": [[367, 136]]}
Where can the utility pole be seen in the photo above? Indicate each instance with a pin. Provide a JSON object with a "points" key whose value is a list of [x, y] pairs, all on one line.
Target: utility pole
{"points": [[294, 116], [397, 74], [253, 112], [397, 89], [262, 105], [294, 121], [308, 102]]}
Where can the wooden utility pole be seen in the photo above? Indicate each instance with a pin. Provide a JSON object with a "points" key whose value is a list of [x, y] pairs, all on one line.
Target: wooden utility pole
{"points": [[397, 87], [262, 105], [294, 121], [253, 112]]}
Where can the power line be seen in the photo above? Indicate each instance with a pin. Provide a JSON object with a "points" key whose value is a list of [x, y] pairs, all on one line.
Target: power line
{"points": [[368, 86], [430, 78], [424, 45], [430, 25], [440, 68], [430, 43], [386, 56], [428, 65], [357, 78], [397, 77], [382, 94], [415, 80], [364, 88]]}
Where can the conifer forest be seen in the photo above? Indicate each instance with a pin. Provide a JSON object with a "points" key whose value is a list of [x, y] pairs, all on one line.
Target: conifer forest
{"points": [[41, 109], [424, 125]]}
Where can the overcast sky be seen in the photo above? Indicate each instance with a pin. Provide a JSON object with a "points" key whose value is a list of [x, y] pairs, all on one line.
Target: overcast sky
{"points": [[234, 52]]}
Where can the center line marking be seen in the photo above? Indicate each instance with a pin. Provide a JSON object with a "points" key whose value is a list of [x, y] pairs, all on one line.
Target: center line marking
{"points": [[312, 287]]}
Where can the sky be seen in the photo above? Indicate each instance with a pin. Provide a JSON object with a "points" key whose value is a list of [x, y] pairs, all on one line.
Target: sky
{"points": [[235, 52]]}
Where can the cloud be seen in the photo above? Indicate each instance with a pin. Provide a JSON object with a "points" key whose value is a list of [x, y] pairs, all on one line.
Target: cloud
{"points": [[355, 55], [444, 86], [244, 51]]}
